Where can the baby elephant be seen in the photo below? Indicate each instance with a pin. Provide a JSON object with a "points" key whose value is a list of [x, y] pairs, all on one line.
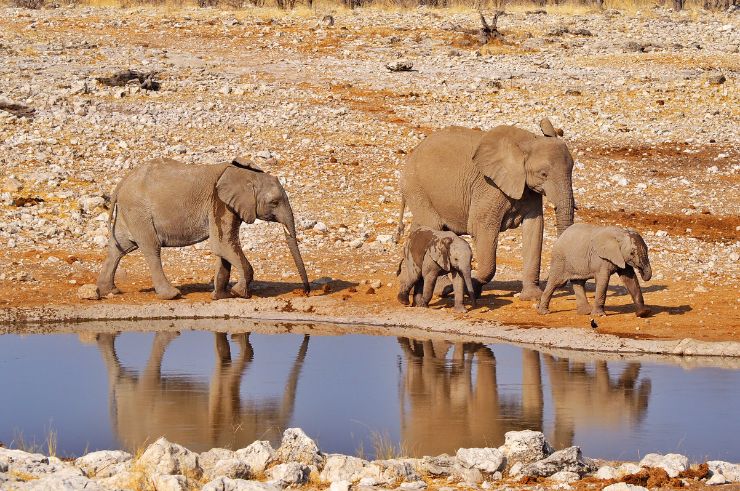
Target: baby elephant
{"points": [[428, 254], [586, 251]]}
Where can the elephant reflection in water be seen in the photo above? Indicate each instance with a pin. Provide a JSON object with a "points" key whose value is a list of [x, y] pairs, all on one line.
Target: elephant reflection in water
{"points": [[198, 415], [584, 398], [445, 404]]}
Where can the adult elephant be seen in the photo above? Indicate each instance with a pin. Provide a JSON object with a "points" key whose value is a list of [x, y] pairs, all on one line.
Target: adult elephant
{"points": [[483, 182], [166, 203]]}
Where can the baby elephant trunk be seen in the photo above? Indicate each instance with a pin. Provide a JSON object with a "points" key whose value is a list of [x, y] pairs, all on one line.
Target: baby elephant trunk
{"points": [[469, 287], [646, 272]]}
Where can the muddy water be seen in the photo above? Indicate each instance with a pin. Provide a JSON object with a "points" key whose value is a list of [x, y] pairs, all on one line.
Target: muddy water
{"points": [[204, 389]]}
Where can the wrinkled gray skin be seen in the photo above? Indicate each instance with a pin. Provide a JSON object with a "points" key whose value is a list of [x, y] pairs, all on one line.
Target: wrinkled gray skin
{"points": [[166, 203], [483, 182], [587, 251], [429, 254]]}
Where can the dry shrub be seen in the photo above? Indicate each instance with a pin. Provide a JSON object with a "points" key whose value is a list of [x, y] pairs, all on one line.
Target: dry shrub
{"points": [[653, 477], [28, 4], [700, 472]]}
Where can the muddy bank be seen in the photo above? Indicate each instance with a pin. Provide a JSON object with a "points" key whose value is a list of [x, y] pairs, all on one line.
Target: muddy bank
{"points": [[347, 320]]}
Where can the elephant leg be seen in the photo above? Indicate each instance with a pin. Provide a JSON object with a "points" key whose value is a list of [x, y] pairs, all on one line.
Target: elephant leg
{"points": [[118, 246], [532, 229], [553, 282], [430, 280], [418, 290], [407, 283], [458, 283], [579, 288], [163, 287], [221, 279], [602, 283], [630, 281], [236, 257]]}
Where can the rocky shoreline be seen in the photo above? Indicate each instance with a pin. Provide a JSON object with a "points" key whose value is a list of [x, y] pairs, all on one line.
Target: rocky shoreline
{"points": [[525, 461]]}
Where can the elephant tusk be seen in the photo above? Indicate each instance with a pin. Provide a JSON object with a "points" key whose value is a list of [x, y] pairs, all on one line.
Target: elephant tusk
{"points": [[287, 232]]}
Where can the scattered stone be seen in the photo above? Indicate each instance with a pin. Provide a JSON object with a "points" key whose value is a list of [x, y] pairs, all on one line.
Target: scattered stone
{"points": [[731, 472], [257, 455], [342, 468], [104, 463], [296, 446], [525, 446], [88, 292], [414, 485], [340, 486], [169, 483], [716, 480], [120, 79], [376, 284], [17, 110], [716, 78], [288, 474], [672, 463], [400, 66], [569, 459], [484, 459], [207, 460], [622, 486], [565, 476], [226, 484], [58, 483], [233, 468], [606, 472], [163, 457]]}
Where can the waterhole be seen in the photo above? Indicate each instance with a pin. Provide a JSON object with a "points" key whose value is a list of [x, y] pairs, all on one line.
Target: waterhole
{"points": [[366, 395]]}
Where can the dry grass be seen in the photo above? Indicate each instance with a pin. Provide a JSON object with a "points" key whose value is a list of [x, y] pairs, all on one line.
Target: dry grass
{"points": [[386, 449]]}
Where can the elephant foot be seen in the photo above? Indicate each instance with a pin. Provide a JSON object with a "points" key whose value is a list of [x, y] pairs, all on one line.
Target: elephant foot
{"points": [[241, 290], [643, 312], [530, 292], [108, 290], [477, 289], [460, 309], [583, 309], [598, 312], [403, 299], [220, 295], [168, 293]]}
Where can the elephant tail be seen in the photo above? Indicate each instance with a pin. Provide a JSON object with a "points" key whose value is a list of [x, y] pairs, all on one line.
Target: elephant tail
{"points": [[113, 213], [399, 231], [400, 265]]}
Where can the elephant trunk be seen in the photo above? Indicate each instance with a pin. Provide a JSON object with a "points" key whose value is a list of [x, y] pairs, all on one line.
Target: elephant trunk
{"points": [[564, 206], [290, 237], [469, 286], [646, 272]]}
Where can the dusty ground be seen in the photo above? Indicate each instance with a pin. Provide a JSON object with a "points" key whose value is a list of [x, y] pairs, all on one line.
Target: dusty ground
{"points": [[654, 134]]}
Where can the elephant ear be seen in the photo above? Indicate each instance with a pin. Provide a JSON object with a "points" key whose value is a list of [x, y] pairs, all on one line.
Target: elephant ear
{"points": [[244, 163], [439, 251], [236, 190], [608, 247], [500, 159], [549, 130]]}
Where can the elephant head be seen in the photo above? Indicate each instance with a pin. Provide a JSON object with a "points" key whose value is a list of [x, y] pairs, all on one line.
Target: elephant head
{"points": [[251, 194], [512, 159], [624, 247]]}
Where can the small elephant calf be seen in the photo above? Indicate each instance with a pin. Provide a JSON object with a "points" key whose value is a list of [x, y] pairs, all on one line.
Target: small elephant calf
{"points": [[586, 251], [428, 254]]}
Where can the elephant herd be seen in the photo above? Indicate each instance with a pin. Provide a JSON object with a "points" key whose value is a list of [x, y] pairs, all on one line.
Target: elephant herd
{"points": [[450, 396], [457, 181]]}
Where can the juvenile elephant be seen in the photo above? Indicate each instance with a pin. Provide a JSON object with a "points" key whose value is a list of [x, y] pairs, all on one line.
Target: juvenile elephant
{"points": [[586, 251], [166, 203], [429, 254], [483, 182]]}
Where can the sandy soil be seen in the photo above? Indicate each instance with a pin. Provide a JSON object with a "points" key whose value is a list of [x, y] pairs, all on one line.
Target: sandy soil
{"points": [[656, 148]]}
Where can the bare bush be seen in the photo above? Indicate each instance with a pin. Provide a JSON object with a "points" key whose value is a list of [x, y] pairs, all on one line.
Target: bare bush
{"points": [[28, 4]]}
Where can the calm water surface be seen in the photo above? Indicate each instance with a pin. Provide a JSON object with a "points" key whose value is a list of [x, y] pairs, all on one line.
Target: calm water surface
{"points": [[204, 390]]}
